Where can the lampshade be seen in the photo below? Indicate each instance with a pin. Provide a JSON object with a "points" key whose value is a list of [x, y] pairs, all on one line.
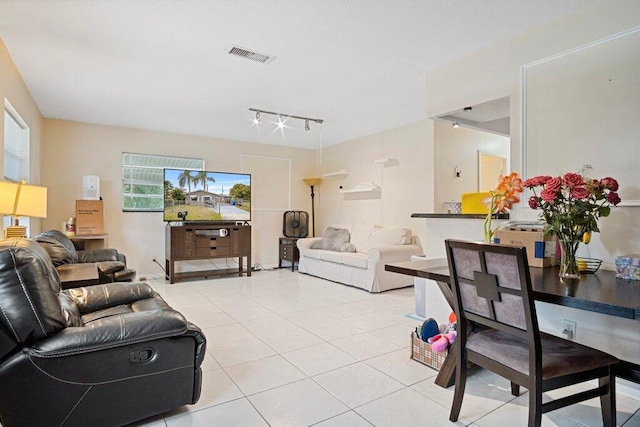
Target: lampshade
{"points": [[8, 193], [312, 181], [32, 201]]}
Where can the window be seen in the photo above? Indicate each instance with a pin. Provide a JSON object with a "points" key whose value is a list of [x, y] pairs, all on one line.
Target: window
{"points": [[16, 151], [142, 179]]}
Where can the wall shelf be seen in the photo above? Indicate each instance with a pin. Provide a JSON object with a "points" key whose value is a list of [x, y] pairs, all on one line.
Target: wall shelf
{"points": [[355, 190], [342, 173], [362, 189], [387, 162]]}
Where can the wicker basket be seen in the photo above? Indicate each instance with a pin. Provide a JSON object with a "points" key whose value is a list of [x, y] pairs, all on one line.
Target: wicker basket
{"points": [[422, 352]]}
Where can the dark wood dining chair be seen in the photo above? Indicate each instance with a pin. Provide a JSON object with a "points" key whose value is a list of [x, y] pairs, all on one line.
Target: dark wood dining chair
{"points": [[498, 331]]}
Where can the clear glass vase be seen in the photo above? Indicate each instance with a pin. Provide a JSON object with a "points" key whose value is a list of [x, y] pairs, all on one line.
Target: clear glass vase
{"points": [[568, 262]]}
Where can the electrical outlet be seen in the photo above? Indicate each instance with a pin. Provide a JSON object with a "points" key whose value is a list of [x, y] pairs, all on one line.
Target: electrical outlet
{"points": [[569, 329]]}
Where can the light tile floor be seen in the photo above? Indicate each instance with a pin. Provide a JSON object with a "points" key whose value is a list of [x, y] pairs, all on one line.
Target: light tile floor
{"points": [[287, 349]]}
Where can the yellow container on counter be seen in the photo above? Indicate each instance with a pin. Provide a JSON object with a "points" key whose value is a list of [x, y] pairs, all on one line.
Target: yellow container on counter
{"points": [[472, 203]]}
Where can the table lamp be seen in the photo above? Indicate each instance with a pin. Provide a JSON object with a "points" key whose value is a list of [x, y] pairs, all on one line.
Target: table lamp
{"points": [[312, 182], [22, 200]]}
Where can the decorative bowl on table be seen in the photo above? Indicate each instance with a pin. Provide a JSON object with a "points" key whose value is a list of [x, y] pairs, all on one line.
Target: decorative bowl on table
{"points": [[588, 265]]}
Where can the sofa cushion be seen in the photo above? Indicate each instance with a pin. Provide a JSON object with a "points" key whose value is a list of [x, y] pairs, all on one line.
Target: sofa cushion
{"points": [[315, 254], [29, 287], [59, 247], [385, 237], [331, 256], [359, 260], [333, 239], [360, 236]]}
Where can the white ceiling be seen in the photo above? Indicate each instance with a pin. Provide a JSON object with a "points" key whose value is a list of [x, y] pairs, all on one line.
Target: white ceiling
{"points": [[163, 64]]}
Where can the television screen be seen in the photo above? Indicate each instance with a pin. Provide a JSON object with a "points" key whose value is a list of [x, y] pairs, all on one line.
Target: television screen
{"points": [[202, 196]]}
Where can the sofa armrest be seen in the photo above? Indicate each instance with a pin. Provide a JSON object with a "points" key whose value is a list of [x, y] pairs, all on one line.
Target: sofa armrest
{"points": [[110, 332], [97, 255], [396, 253], [97, 297], [306, 242]]}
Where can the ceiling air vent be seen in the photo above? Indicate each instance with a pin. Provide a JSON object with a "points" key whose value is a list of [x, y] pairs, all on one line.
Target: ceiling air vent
{"points": [[254, 56]]}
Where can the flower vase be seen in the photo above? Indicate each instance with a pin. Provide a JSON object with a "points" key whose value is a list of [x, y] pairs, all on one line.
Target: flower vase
{"points": [[488, 233], [486, 229], [568, 262]]}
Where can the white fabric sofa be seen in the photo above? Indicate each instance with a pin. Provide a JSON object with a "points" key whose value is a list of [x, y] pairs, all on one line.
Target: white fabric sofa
{"points": [[364, 268]]}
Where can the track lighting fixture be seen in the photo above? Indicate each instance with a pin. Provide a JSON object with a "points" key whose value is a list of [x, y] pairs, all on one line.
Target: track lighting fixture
{"points": [[455, 125], [282, 118]]}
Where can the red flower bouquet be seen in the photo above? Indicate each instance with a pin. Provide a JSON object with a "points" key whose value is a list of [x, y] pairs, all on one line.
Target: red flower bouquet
{"points": [[571, 205]]}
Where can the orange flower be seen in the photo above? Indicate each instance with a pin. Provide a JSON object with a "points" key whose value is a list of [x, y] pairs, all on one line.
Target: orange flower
{"points": [[505, 194], [511, 183], [501, 199]]}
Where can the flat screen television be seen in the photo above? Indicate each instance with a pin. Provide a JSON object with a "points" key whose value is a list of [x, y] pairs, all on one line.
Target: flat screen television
{"points": [[205, 196]]}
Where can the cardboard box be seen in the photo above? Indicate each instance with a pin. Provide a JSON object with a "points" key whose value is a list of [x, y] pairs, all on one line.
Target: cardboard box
{"points": [[89, 217], [541, 250], [628, 267]]}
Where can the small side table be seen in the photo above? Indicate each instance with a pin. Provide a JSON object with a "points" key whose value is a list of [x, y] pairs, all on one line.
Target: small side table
{"points": [[91, 241], [77, 275], [288, 251]]}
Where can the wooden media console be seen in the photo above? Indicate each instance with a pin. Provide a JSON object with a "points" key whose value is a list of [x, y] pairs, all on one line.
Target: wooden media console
{"points": [[206, 241]]}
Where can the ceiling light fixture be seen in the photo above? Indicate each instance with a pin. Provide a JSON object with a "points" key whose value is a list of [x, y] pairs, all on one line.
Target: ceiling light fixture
{"points": [[281, 122], [455, 125]]}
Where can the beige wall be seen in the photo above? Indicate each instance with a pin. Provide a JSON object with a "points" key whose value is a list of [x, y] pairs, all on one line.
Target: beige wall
{"points": [[13, 89], [73, 149], [407, 187], [495, 72], [459, 148]]}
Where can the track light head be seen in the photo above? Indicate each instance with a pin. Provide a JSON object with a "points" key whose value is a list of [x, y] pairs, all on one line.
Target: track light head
{"points": [[455, 125], [256, 121], [306, 125]]}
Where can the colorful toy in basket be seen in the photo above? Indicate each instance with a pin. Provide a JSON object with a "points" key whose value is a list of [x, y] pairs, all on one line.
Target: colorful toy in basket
{"points": [[447, 336], [429, 329], [440, 338], [441, 342]]}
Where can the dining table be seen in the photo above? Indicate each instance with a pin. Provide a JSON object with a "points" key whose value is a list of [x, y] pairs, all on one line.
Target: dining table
{"points": [[600, 292]]}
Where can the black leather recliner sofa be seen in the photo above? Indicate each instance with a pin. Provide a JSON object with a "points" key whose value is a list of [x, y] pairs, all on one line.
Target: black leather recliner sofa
{"points": [[111, 264], [103, 355]]}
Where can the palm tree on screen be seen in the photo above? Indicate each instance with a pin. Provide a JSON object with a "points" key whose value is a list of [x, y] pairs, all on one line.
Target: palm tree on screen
{"points": [[185, 178], [204, 179]]}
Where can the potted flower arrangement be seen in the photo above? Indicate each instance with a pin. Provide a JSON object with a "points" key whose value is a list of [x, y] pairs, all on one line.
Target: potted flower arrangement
{"points": [[501, 199], [571, 205]]}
